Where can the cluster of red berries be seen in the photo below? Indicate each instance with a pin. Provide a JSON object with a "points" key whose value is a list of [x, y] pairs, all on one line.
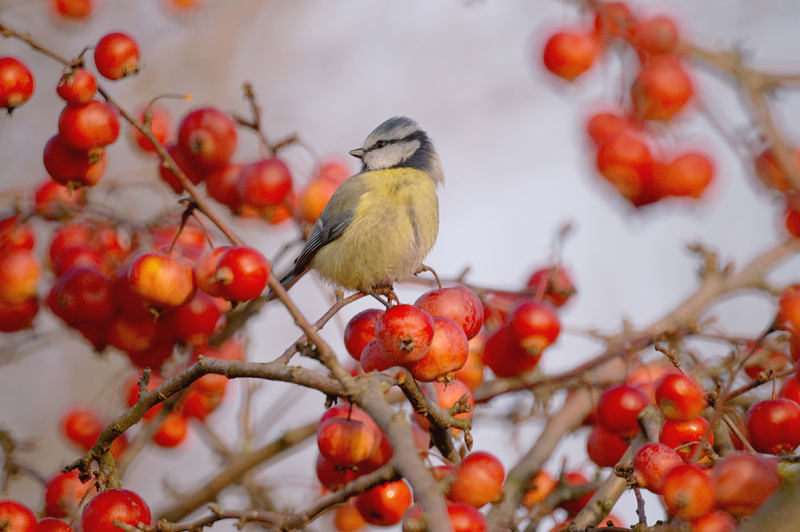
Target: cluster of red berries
{"points": [[660, 91], [63, 495]]}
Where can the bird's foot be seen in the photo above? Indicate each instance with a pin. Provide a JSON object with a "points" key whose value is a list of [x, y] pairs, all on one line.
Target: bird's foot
{"points": [[387, 291]]}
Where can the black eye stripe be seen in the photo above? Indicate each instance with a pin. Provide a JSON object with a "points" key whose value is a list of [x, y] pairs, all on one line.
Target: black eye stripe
{"points": [[416, 135]]}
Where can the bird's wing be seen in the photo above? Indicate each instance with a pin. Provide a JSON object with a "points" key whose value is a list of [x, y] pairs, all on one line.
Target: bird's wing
{"points": [[334, 219]]}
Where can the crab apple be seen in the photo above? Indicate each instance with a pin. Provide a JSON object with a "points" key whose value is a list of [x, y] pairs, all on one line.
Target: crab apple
{"points": [[679, 397], [789, 307], [333, 476], [535, 325], [505, 357], [189, 239], [16, 517], [347, 518], [448, 351], [688, 492], [613, 19], [661, 89], [51, 524], [626, 162], [651, 462], [458, 303], [16, 234], [655, 35], [605, 125], [405, 332], [569, 53], [63, 494], [109, 506], [211, 383], [385, 504], [541, 485], [193, 172], [647, 376], [78, 256], [172, 431], [374, 358], [555, 284], [18, 316], [791, 219], [16, 83], [90, 125], [771, 172], [127, 302], [206, 270], [574, 479], [81, 427], [478, 479], [716, 521], [19, 274], [265, 183], [116, 55], [198, 404], [158, 121], [221, 185], [605, 448], [335, 169], [77, 86], [381, 453], [687, 175], [209, 136], [54, 201], [618, 410], [195, 321], [463, 518], [471, 373], [773, 426], [676, 434], [162, 280], [84, 295], [73, 9], [790, 389], [242, 273], [360, 330], [744, 481], [314, 197], [152, 357]]}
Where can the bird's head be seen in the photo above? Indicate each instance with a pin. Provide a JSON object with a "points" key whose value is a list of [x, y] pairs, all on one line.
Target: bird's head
{"points": [[399, 142]]}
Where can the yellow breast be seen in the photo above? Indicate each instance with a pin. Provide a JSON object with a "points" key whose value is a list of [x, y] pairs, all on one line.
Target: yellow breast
{"points": [[394, 228]]}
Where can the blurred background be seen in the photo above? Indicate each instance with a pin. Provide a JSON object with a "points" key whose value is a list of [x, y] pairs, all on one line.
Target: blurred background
{"points": [[518, 167]]}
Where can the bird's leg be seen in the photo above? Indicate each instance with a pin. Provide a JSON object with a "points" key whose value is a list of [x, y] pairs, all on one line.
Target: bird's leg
{"points": [[425, 268], [386, 290]]}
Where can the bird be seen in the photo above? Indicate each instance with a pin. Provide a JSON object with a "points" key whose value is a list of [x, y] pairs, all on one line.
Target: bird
{"points": [[379, 224]]}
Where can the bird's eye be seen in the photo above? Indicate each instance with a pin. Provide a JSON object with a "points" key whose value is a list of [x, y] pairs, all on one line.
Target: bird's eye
{"points": [[381, 143]]}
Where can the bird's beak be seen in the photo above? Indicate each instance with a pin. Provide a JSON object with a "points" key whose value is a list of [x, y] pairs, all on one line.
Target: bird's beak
{"points": [[358, 153]]}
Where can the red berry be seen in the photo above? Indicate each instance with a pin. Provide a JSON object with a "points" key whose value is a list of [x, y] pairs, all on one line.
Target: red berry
{"points": [[77, 86], [242, 273], [618, 410], [16, 517], [687, 175], [172, 431], [74, 9], [675, 434], [186, 164], [661, 89], [688, 492], [83, 295], [265, 183], [16, 234], [605, 448], [63, 494], [626, 162], [680, 397], [771, 172], [478, 479], [19, 275], [573, 506], [385, 504], [374, 358], [162, 280], [51, 524], [18, 316], [651, 462], [656, 35], [555, 284], [448, 351], [505, 356], [221, 185], [773, 426], [54, 201], [114, 505], [613, 19], [16, 83], [535, 325], [88, 125], [346, 442], [405, 332], [716, 521], [569, 54], [116, 55], [458, 303], [209, 136], [360, 330], [743, 482]]}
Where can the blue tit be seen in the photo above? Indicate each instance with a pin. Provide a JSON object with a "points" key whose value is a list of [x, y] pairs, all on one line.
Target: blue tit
{"points": [[380, 224]]}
